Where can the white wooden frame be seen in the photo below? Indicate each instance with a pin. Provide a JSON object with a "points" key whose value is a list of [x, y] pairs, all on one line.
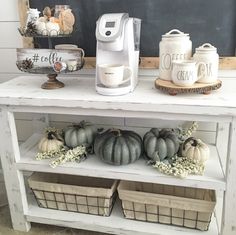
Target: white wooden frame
{"points": [[221, 109]]}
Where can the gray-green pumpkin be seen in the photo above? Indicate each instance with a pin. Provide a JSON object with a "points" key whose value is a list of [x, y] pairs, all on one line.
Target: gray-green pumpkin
{"points": [[160, 145], [118, 147], [80, 134]]}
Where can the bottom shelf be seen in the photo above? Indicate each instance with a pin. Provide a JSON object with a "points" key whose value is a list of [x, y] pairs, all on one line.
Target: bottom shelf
{"points": [[114, 224]]}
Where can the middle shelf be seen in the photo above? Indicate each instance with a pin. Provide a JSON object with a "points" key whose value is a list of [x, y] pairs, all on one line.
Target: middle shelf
{"points": [[213, 177]]}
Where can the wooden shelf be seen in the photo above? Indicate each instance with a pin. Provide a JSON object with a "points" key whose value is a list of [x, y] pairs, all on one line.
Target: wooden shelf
{"points": [[138, 171], [114, 224]]}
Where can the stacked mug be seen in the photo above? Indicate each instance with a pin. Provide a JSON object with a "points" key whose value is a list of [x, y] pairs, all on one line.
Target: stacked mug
{"points": [[176, 64]]}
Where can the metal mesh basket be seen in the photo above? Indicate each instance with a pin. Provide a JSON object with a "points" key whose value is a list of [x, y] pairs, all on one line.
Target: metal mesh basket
{"points": [[74, 193], [175, 205]]}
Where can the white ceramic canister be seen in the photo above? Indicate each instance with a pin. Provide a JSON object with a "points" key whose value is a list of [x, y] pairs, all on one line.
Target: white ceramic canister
{"points": [[175, 45], [207, 54]]}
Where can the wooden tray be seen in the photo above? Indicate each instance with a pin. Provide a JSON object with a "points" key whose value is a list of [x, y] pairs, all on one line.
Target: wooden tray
{"points": [[172, 89], [43, 59]]}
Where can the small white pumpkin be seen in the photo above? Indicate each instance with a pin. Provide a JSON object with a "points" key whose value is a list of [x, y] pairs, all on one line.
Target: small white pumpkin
{"points": [[195, 149], [52, 28], [45, 27], [51, 142], [41, 28]]}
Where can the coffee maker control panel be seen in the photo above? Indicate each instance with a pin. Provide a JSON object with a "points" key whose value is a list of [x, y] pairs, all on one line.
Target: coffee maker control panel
{"points": [[110, 26]]}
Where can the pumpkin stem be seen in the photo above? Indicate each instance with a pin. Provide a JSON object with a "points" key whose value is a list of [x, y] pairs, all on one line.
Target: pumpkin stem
{"points": [[50, 135], [117, 131], [82, 124], [194, 142]]}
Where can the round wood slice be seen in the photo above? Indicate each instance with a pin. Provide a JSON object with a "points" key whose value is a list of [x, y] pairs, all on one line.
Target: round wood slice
{"points": [[172, 89]]}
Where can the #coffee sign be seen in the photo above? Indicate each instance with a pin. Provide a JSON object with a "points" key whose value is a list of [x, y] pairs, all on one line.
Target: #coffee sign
{"points": [[47, 57]]}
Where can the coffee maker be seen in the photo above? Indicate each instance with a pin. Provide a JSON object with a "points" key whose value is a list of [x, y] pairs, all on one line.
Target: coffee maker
{"points": [[118, 40]]}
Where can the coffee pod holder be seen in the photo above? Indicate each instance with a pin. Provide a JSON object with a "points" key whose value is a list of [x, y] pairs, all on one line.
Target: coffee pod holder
{"points": [[55, 62]]}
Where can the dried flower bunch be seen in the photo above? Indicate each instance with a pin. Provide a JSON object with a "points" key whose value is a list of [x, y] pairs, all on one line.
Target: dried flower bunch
{"points": [[181, 167], [64, 155], [76, 154], [186, 133]]}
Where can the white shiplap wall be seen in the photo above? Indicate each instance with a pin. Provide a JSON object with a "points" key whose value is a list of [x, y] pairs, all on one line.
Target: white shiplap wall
{"points": [[10, 39]]}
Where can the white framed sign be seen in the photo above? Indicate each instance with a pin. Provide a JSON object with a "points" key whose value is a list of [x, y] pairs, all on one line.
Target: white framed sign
{"points": [[47, 57]]}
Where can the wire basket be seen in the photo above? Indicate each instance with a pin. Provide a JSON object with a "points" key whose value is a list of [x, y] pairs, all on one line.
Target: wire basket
{"points": [[44, 33], [174, 205], [74, 193]]}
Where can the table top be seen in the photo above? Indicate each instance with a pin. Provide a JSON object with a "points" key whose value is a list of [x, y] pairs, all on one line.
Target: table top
{"points": [[79, 92]]}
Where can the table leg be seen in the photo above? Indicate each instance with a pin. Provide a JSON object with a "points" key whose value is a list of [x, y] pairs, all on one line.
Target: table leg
{"points": [[14, 180], [229, 211]]}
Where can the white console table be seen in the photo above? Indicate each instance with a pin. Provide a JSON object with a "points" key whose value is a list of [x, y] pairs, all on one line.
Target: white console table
{"points": [[78, 97]]}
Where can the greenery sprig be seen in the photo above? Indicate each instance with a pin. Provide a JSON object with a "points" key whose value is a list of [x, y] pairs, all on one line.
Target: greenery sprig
{"points": [[186, 133]]}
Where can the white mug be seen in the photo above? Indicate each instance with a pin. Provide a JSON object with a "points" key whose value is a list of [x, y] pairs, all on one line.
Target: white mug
{"points": [[112, 75], [66, 46], [186, 72], [69, 47]]}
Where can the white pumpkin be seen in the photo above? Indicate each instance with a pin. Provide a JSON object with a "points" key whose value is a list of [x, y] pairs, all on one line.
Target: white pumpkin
{"points": [[195, 149], [50, 143], [52, 28], [42, 19], [41, 28], [45, 27]]}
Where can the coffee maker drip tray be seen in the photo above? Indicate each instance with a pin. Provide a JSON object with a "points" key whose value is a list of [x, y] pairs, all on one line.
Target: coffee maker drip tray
{"points": [[116, 87], [120, 90]]}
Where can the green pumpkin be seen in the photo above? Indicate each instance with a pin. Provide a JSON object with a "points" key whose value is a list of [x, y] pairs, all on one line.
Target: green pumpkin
{"points": [[160, 145], [80, 134], [118, 147]]}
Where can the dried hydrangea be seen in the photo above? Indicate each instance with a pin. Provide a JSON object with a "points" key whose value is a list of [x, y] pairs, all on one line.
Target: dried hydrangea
{"points": [[181, 167], [77, 154], [50, 154], [64, 155]]}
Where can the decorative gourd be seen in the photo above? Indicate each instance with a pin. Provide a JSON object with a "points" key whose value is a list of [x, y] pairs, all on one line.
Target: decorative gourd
{"points": [[66, 21], [159, 145], [118, 147], [47, 13], [80, 134], [52, 28], [51, 142], [195, 149], [45, 27], [41, 27]]}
